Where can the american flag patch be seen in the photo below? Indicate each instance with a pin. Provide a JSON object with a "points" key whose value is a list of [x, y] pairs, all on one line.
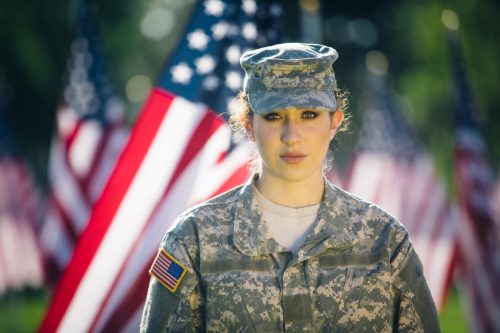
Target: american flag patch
{"points": [[167, 270]]}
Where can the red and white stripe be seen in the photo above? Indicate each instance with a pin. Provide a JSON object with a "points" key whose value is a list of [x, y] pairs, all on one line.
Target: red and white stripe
{"points": [[176, 157], [82, 156], [20, 262], [495, 203], [411, 192]]}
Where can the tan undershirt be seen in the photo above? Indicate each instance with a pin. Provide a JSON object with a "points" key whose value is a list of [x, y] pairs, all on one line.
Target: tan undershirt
{"points": [[288, 226]]}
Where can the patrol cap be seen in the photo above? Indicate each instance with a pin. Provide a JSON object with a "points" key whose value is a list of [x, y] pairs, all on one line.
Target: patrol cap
{"points": [[290, 75]]}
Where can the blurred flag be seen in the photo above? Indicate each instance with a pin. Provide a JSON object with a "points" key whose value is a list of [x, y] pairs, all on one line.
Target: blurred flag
{"points": [[90, 134], [180, 152], [479, 236], [392, 169], [20, 261], [496, 197]]}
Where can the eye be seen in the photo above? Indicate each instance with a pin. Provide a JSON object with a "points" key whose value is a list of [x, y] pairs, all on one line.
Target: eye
{"points": [[308, 114], [272, 116]]}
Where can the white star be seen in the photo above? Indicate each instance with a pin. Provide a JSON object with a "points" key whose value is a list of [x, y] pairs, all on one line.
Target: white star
{"points": [[198, 40], [233, 54], [219, 30], [249, 31], [233, 80], [181, 73], [205, 64], [214, 7], [211, 82], [249, 7]]}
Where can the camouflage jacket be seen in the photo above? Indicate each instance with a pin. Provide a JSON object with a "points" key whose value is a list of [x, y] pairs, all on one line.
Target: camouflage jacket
{"points": [[356, 272]]}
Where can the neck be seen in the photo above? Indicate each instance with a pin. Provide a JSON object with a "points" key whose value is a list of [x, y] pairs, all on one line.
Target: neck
{"points": [[303, 193]]}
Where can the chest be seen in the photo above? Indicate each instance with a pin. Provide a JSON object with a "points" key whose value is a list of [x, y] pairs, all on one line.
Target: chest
{"points": [[335, 291]]}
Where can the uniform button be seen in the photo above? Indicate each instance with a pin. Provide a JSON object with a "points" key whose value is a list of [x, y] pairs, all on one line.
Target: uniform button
{"points": [[418, 270]]}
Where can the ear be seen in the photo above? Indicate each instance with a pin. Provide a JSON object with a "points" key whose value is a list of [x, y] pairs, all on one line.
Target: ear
{"points": [[337, 118], [249, 129]]}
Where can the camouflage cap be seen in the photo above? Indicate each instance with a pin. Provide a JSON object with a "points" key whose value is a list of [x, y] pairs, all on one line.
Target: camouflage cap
{"points": [[290, 75]]}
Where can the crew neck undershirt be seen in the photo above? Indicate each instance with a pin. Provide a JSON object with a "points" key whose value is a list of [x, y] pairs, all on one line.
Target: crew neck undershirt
{"points": [[288, 226]]}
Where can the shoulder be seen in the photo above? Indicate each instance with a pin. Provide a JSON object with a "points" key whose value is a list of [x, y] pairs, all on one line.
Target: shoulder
{"points": [[221, 202], [209, 212], [373, 224], [359, 209], [191, 228]]}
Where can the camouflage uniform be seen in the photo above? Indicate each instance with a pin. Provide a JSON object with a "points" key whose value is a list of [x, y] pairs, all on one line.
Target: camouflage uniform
{"points": [[356, 272]]}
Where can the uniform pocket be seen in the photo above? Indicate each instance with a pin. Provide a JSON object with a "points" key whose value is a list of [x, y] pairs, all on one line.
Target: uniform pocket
{"points": [[328, 284], [367, 301], [242, 301]]}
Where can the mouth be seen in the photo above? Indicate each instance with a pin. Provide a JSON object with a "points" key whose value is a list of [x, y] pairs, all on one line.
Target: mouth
{"points": [[293, 157]]}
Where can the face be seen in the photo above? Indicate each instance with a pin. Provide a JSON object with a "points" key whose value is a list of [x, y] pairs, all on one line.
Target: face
{"points": [[293, 143]]}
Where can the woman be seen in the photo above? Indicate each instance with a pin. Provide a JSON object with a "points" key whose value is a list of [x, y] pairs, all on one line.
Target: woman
{"points": [[288, 251]]}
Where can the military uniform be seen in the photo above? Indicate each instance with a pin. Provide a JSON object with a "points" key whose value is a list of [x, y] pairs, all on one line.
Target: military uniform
{"points": [[356, 272]]}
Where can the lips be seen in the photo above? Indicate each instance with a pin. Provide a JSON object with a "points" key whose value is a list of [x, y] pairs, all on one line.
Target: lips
{"points": [[293, 157]]}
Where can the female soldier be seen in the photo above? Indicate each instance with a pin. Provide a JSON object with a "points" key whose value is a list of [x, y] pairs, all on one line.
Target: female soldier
{"points": [[288, 251]]}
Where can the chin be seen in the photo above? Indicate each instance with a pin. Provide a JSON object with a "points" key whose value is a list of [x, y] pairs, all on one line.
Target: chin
{"points": [[295, 176]]}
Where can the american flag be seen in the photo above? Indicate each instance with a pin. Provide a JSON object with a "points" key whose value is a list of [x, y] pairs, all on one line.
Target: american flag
{"points": [[496, 198], [391, 169], [180, 152], [90, 134], [167, 270], [20, 208], [479, 236]]}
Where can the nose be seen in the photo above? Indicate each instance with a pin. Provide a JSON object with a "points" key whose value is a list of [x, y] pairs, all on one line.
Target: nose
{"points": [[291, 132]]}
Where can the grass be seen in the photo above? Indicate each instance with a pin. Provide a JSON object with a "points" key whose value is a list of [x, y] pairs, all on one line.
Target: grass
{"points": [[452, 317], [22, 311]]}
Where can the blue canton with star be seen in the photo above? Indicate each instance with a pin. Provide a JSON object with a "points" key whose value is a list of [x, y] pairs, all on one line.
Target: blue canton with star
{"points": [[205, 67], [88, 91], [175, 270]]}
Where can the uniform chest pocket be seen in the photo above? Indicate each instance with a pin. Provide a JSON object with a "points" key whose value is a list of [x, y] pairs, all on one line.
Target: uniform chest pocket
{"points": [[328, 284], [367, 302], [241, 300], [371, 282]]}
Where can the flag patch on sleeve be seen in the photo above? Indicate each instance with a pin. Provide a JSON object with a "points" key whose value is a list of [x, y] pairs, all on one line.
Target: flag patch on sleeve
{"points": [[167, 270]]}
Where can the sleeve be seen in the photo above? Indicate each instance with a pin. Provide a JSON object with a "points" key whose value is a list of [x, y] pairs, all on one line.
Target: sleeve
{"points": [[173, 301], [414, 307]]}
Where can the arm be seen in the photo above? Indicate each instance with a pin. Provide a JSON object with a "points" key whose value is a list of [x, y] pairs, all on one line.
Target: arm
{"points": [[173, 309], [414, 308]]}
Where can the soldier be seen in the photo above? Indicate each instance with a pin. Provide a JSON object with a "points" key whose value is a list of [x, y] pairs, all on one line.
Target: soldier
{"points": [[288, 251]]}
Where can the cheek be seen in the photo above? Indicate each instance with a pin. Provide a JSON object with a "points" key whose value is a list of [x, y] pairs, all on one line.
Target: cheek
{"points": [[263, 140], [322, 136], [264, 134]]}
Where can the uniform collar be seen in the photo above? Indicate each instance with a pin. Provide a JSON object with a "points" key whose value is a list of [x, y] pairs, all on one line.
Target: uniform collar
{"points": [[333, 230], [251, 234]]}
